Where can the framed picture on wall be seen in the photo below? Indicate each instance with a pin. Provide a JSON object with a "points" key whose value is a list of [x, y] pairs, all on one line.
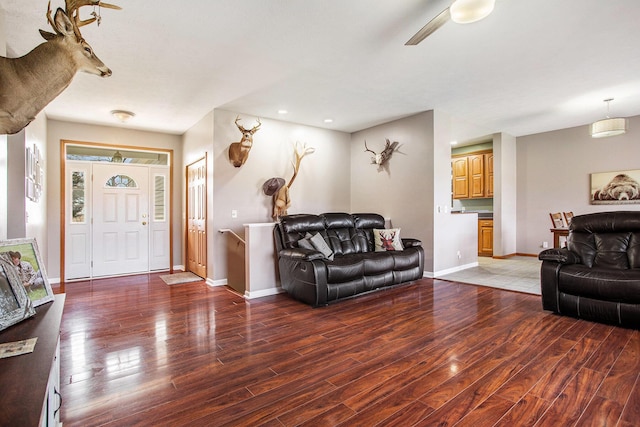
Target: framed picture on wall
{"points": [[615, 188], [24, 257]]}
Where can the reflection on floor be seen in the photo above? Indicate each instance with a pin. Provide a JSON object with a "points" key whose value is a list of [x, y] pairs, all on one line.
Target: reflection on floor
{"points": [[519, 273]]}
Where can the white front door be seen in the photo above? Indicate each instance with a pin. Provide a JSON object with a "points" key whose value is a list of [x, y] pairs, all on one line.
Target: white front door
{"points": [[120, 237]]}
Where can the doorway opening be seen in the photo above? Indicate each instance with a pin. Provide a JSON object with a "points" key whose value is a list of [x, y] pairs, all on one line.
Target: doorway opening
{"points": [[116, 204]]}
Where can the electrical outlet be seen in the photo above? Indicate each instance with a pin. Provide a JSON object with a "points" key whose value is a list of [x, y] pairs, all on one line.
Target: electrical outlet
{"points": [[234, 213], [459, 255], [545, 245]]}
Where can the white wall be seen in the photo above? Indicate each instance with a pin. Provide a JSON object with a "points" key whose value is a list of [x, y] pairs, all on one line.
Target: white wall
{"points": [[36, 212], [3, 148], [322, 184], [505, 195], [59, 130], [553, 175]]}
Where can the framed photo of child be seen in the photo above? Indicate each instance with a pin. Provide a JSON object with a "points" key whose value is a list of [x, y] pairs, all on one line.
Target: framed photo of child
{"points": [[24, 256]]}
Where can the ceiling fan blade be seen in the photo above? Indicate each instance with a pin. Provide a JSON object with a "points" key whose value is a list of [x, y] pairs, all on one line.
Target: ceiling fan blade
{"points": [[431, 26]]}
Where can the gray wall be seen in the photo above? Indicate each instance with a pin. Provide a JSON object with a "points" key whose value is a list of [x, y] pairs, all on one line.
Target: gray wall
{"points": [[553, 175], [403, 189], [59, 130], [322, 184], [414, 189]]}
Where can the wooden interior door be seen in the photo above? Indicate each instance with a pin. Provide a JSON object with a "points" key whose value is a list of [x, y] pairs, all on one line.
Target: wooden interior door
{"points": [[197, 218]]}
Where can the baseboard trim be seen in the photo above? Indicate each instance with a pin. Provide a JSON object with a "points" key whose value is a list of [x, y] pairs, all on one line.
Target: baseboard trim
{"points": [[263, 293], [433, 275], [219, 282]]}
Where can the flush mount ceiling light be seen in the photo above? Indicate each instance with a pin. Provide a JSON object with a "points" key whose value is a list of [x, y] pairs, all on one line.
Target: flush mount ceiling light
{"points": [[608, 126], [122, 115], [468, 11]]}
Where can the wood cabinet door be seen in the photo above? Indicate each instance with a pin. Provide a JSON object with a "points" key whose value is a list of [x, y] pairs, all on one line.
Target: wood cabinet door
{"points": [[488, 173], [485, 237], [460, 178], [476, 176]]}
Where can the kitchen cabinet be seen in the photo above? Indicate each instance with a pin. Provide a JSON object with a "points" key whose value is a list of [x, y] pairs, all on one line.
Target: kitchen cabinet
{"points": [[472, 176], [488, 174], [460, 176], [485, 237]]}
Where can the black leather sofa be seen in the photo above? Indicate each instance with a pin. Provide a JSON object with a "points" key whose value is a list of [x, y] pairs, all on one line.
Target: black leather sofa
{"points": [[597, 276], [309, 276]]}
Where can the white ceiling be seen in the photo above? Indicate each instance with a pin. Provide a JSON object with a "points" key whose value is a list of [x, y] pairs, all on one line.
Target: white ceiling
{"points": [[531, 66]]}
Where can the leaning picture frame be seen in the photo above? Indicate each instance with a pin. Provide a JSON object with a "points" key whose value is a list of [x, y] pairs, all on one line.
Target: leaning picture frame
{"points": [[24, 256], [15, 304]]}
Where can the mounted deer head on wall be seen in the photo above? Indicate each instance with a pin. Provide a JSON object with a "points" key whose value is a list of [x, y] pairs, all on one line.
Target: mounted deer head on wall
{"points": [[385, 154], [239, 151], [275, 186], [29, 83]]}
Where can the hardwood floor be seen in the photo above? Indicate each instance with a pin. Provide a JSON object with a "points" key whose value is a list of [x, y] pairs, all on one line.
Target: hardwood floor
{"points": [[136, 352]]}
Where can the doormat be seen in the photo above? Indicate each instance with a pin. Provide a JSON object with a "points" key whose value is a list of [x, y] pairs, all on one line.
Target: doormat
{"points": [[177, 278]]}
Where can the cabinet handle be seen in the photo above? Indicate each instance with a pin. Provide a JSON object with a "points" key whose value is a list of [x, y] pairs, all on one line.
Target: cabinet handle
{"points": [[57, 393]]}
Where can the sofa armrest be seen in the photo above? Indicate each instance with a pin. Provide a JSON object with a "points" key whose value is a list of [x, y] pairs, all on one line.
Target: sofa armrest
{"points": [[562, 256], [410, 243], [301, 254]]}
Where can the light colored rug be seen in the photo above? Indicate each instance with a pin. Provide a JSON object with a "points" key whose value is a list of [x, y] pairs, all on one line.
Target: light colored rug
{"points": [[177, 278], [517, 273]]}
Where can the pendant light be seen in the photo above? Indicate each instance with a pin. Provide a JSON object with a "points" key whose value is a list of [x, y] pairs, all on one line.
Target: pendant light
{"points": [[608, 126]]}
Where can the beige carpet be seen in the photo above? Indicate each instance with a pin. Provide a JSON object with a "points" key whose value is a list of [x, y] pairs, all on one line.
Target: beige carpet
{"points": [[517, 273], [177, 278]]}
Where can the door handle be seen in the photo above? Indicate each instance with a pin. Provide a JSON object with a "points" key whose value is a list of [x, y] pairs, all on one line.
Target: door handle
{"points": [[144, 222]]}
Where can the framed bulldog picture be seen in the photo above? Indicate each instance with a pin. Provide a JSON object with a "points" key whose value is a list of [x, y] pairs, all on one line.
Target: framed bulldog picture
{"points": [[615, 188]]}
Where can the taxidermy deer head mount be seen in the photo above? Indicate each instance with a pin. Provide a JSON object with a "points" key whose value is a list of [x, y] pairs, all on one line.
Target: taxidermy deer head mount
{"points": [[385, 154], [29, 83], [239, 151], [275, 186]]}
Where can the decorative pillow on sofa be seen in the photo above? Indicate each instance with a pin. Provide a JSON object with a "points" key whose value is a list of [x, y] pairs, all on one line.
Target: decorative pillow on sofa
{"points": [[321, 246], [387, 240], [305, 242]]}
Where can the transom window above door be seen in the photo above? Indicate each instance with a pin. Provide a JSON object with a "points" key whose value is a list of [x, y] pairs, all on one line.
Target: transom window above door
{"points": [[115, 155]]}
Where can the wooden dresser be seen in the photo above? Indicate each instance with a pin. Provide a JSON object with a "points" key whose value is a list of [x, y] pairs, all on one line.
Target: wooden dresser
{"points": [[31, 382]]}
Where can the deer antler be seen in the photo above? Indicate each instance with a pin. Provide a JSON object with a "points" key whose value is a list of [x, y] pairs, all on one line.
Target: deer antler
{"points": [[73, 12], [300, 152], [367, 148], [253, 129]]}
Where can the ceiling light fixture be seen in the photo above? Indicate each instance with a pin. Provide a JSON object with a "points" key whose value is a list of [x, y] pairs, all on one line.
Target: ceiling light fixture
{"points": [[282, 111], [117, 157], [468, 11], [328, 120], [609, 126], [122, 115]]}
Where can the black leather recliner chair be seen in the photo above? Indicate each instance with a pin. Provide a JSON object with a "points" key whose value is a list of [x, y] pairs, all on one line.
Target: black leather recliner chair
{"points": [[597, 276], [308, 276]]}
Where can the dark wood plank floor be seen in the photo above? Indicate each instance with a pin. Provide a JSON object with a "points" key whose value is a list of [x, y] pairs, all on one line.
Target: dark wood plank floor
{"points": [[136, 352]]}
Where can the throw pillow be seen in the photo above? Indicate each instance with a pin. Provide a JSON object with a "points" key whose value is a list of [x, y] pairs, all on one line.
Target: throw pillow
{"points": [[387, 240], [321, 246], [305, 242]]}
